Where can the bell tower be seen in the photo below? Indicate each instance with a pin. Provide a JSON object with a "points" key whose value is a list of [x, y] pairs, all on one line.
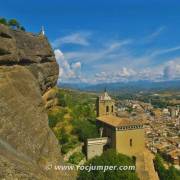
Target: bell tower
{"points": [[105, 105]]}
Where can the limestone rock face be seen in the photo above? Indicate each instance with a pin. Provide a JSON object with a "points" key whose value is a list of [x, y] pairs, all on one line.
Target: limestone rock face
{"points": [[27, 70], [50, 98], [32, 51]]}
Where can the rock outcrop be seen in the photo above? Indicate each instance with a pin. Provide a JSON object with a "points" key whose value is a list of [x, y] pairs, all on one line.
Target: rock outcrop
{"points": [[27, 70], [50, 98]]}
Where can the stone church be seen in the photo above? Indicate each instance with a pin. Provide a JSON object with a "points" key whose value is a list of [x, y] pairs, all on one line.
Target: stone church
{"points": [[122, 134]]}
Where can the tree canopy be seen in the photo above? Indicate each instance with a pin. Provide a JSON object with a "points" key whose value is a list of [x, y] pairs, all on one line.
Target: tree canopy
{"points": [[74, 119], [12, 23], [109, 158], [165, 174], [3, 21]]}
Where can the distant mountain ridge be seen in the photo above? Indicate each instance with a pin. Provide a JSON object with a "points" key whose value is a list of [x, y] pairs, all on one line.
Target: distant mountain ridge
{"points": [[125, 86]]}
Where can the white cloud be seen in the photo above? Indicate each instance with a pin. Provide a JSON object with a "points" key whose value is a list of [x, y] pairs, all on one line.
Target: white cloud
{"points": [[79, 38], [67, 71], [168, 71], [164, 51], [122, 75], [95, 54], [115, 61], [155, 34], [118, 44], [136, 68], [113, 73], [127, 72], [76, 65], [172, 69]]}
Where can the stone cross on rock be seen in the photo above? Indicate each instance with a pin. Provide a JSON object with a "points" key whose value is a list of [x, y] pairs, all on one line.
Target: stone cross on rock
{"points": [[42, 31]]}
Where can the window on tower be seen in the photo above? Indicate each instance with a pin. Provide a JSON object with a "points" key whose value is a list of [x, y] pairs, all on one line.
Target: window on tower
{"points": [[107, 109], [130, 142], [112, 109]]}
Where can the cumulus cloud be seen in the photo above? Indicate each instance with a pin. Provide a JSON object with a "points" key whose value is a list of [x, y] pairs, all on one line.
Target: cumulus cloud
{"points": [[126, 72], [67, 70], [76, 65], [115, 60], [172, 70], [122, 75], [168, 71]]}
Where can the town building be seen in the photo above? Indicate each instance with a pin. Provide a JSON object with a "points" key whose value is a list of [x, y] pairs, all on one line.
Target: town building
{"points": [[123, 134]]}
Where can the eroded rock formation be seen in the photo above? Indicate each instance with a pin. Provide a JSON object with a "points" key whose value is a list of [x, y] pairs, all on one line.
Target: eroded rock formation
{"points": [[50, 98], [27, 70]]}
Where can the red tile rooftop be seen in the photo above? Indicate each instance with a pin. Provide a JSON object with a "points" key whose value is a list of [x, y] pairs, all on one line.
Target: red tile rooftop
{"points": [[117, 121]]}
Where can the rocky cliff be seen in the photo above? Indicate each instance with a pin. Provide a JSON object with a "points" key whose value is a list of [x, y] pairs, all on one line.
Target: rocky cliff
{"points": [[28, 69]]}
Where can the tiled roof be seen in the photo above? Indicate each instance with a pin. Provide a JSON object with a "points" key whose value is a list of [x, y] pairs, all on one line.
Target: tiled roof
{"points": [[117, 121]]}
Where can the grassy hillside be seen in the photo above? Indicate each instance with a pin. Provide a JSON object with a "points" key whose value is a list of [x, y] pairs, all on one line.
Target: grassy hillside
{"points": [[73, 121]]}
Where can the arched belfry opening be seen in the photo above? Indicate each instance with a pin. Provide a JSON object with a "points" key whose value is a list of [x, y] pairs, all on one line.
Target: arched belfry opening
{"points": [[112, 108], [107, 109]]}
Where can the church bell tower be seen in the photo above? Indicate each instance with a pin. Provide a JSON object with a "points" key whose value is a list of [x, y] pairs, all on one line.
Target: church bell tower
{"points": [[105, 105]]}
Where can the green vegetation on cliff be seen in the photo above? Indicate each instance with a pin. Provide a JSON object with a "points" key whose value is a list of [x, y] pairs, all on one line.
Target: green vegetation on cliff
{"points": [[12, 23], [73, 121], [113, 159], [76, 158]]}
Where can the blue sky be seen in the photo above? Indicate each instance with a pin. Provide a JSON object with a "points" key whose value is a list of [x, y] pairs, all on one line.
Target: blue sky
{"points": [[99, 41]]}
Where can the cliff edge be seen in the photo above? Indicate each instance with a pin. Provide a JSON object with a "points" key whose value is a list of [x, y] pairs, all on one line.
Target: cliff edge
{"points": [[27, 70]]}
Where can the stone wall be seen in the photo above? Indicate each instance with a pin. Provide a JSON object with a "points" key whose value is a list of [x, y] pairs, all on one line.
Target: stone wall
{"points": [[123, 141], [95, 147]]}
